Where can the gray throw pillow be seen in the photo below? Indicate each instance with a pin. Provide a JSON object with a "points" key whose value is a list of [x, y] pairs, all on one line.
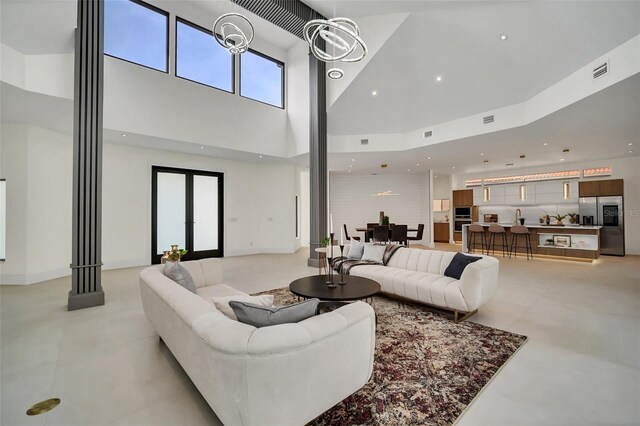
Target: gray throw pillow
{"points": [[374, 253], [265, 316], [179, 274], [356, 249]]}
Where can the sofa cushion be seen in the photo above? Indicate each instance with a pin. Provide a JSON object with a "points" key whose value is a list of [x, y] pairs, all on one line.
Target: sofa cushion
{"points": [[457, 265], [356, 250], [432, 261], [374, 252], [179, 274], [218, 290], [265, 316], [194, 268], [224, 303]]}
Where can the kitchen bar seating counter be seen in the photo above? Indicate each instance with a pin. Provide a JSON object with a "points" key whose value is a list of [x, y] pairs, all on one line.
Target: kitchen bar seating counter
{"points": [[569, 241]]}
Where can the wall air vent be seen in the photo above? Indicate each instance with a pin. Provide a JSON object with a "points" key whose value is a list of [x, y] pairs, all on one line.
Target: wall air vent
{"points": [[601, 70], [427, 134], [488, 119], [364, 141]]}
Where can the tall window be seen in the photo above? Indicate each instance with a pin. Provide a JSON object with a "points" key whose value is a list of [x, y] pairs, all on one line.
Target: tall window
{"points": [[262, 78], [136, 32], [200, 58]]}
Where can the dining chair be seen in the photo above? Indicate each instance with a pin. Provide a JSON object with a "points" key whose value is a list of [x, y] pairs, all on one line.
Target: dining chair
{"points": [[369, 233], [346, 233], [381, 234], [419, 234], [399, 234]]}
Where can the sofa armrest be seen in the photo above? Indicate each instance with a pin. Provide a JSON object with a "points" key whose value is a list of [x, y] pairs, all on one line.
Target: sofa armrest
{"points": [[479, 282]]}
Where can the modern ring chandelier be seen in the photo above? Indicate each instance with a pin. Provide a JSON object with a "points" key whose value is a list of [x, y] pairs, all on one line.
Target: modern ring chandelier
{"points": [[228, 32], [342, 35]]}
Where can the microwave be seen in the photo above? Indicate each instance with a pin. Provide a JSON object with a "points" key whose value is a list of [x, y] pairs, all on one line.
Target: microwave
{"points": [[462, 213]]}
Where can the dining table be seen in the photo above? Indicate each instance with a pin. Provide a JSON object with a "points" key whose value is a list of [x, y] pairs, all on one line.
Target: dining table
{"points": [[368, 232]]}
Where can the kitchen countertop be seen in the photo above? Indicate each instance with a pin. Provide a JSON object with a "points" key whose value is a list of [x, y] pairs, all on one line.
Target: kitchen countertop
{"points": [[538, 226]]}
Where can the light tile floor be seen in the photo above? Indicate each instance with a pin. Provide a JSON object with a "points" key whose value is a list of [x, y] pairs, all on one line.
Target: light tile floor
{"points": [[581, 364]]}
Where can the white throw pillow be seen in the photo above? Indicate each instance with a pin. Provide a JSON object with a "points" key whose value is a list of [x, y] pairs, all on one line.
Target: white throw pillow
{"points": [[374, 252], [356, 249], [222, 303]]}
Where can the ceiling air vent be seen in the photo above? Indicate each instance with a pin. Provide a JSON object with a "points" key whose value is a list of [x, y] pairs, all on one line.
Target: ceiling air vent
{"points": [[427, 134], [364, 141], [488, 119], [600, 70]]}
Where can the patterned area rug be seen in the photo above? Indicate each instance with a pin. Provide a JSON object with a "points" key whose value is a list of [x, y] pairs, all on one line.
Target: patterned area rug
{"points": [[427, 368]]}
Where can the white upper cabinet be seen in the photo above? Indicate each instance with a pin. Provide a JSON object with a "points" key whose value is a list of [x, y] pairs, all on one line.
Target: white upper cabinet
{"points": [[551, 192]]}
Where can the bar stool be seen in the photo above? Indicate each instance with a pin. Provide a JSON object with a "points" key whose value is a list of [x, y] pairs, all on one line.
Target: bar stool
{"points": [[472, 231], [517, 231], [495, 229]]}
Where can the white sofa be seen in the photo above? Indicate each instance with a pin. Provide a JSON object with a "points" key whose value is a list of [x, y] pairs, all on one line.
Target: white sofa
{"points": [[418, 275], [281, 375]]}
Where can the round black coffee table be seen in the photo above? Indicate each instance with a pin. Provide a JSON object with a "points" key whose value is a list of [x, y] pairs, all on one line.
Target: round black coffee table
{"points": [[315, 286]]}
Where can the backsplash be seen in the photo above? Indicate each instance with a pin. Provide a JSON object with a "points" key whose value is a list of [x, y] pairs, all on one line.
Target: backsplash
{"points": [[531, 214]]}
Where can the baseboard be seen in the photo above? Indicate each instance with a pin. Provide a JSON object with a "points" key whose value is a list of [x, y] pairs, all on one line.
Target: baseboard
{"points": [[26, 279]]}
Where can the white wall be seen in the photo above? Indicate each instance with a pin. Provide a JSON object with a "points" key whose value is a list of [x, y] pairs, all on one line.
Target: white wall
{"points": [[442, 191], [37, 163], [305, 202], [351, 203], [622, 168]]}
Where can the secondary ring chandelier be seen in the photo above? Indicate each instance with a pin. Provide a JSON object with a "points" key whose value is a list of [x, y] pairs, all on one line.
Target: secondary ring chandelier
{"points": [[228, 32], [341, 34]]}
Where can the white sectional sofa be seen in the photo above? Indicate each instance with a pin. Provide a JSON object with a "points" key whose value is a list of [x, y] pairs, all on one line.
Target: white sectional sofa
{"points": [[281, 375], [418, 275]]}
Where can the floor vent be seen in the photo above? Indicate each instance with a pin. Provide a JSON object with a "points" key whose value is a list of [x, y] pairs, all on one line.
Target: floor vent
{"points": [[427, 134], [600, 70], [364, 141], [488, 119]]}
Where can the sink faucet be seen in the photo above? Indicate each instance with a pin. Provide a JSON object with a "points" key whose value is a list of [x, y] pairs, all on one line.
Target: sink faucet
{"points": [[518, 215]]}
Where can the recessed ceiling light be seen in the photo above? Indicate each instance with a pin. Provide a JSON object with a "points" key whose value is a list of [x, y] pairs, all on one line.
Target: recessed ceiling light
{"points": [[510, 165], [202, 147], [349, 171], [408, 170], [124, 135], [260, 156], [428, 158], [417, 165], [453, 167], [482, 153], [374, 93], [353, 159], [350, 165], [630, 152], [629, 144], [562, 159], [546, 143], [504, 37], [439, 78]]}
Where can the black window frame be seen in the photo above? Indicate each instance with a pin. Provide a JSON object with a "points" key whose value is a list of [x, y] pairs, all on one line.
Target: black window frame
{"points": [[282, 78], [175, 55], [162, 12]]}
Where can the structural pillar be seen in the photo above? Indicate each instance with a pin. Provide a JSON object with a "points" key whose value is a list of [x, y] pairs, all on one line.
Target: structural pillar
{"points": [[317, 156], [86, 256]]}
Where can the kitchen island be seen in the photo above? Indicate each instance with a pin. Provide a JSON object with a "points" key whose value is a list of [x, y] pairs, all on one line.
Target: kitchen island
{"points": [[558, 241]]}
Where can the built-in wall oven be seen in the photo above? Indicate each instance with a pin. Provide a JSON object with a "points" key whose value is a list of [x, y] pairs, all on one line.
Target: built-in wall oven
{"points": [[462, 213], [457, 223]]}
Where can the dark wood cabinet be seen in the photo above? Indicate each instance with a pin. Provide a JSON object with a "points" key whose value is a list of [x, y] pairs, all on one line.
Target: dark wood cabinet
{"points": [[601, 188], [611, 187], [441, 232], [463, 198]]}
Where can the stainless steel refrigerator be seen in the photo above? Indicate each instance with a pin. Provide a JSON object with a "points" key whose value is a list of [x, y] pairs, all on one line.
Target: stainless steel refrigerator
{"points": [[607, 212]]}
